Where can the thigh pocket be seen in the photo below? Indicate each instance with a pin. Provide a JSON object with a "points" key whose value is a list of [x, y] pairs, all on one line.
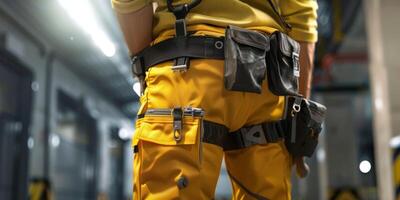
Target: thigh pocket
{"points": [[169, 150]]}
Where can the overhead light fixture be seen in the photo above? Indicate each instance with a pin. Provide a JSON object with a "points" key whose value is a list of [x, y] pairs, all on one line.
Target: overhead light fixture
{"points": [[136, 88], [124, 133], [365, 166], [395, 142], [55, 140], [82, 13]]}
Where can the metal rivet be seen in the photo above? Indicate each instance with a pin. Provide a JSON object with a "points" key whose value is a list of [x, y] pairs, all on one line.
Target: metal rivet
{"points": [[182, 182], [219, 44]]}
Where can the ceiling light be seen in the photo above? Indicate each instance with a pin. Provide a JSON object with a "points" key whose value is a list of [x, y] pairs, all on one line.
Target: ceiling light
{"points": [[83, 15], [136, 88], [124, 134], [365, 166]]}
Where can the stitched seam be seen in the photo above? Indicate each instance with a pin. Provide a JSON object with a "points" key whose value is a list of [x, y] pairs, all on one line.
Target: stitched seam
{"points": [[254, 195]]}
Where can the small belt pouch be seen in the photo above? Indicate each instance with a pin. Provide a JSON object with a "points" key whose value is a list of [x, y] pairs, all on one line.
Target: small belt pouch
{"points": [[245, 64], [283, 67], [303, 125]]}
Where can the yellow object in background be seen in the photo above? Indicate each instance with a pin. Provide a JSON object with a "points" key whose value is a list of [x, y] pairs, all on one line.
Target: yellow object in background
{"points": [[39, 189]]}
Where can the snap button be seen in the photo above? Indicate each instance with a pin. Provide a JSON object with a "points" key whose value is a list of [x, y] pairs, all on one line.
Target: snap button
{"points": [[219, 44], [182, 182]]}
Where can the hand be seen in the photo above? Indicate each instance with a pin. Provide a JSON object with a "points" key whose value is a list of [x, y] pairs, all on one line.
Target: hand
{"points": [[302, 169]]}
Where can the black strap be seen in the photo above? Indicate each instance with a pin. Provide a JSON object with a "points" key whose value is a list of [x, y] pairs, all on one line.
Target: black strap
{"points": [[264, 133], [219, 135], [193, 47], [180, 11], [283, 22]]}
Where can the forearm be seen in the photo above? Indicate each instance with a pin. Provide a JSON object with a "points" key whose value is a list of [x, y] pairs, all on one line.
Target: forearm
{"points": [[306, 68], [137, 28]]}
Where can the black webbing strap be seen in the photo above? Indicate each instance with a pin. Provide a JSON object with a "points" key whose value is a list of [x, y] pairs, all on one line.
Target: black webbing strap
{"points": [[287, 26], [264, 133], [193, 47], [217, 134]]}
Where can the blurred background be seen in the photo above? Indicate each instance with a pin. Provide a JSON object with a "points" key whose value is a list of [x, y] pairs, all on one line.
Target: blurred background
{"points": [[68, 102]]}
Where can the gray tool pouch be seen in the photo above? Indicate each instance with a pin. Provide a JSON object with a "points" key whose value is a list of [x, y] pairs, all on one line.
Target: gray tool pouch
{"points": [[245, 62], [283, 67], [302, 125]]}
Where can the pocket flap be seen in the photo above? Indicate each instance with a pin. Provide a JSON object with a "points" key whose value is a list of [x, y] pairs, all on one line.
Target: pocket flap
{"points": [[159, 129], [287, 45], [317, 111], [248, 37]]}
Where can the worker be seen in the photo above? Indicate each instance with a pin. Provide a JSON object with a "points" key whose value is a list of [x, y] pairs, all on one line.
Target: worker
{"points": [[203, 68]]}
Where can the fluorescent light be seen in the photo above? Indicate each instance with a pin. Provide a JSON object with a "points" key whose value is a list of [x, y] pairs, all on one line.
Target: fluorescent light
{"points": [[31, 143], [55, 140], [395, 142], [136, 88], [124, 133], [83, 15], [365, 166]]}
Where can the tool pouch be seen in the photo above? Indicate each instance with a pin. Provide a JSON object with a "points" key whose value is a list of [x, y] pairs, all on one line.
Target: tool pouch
{"points": [[302, 125], [283, 67], [245, 62]]}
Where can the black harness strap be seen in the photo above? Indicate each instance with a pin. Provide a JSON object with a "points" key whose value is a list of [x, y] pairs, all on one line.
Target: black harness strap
{"points": [[180, 12], [269, 132], [192, 47], [218, 134]]}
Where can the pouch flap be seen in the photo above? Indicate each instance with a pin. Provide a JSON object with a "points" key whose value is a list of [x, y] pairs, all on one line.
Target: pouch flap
{"points": [[248, 37], [317, 111], [159, 129], [287, 45]]}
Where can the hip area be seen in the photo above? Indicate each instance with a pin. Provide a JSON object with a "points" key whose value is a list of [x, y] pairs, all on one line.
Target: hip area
{"points": [[202, 86]]}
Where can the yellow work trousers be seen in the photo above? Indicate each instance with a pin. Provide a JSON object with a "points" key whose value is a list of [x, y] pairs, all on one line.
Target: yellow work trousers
{"points": [[189, 169]]}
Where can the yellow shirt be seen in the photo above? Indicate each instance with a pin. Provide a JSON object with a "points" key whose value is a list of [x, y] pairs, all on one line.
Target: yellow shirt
{"points": [[251, 14]]}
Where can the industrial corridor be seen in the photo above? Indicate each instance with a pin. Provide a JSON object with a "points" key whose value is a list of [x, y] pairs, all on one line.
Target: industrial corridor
{"points": [[89, 113]]}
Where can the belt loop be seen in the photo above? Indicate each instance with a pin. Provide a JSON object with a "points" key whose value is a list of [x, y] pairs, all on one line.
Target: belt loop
{"points": [[137, 66]]}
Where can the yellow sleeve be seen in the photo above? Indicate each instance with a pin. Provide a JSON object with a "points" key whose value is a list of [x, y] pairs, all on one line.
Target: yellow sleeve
{"points": [[128, 6], [302, 16]]}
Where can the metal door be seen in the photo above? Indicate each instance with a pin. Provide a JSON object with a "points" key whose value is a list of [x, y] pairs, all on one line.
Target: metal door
{"points": [[15, 101]]}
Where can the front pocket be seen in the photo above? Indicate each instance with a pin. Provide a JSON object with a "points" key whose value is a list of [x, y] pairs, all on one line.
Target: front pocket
{"points": [[159, 126], [245, 65], [164, 159]]}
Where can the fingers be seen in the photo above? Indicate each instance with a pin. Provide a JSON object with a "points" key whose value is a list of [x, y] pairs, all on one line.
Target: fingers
{"points": [[302, 169]]}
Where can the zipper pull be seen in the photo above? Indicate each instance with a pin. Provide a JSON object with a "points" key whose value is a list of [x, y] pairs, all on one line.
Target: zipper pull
{"points": [[177, 114]]}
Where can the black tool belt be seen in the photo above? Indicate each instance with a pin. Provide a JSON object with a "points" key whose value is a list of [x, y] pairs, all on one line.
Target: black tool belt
{"points": [[170, 49]]}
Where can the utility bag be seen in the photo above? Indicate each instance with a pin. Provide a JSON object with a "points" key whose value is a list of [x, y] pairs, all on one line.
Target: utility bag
{"points": [[302, 125], [245, 62], [283, 67]]}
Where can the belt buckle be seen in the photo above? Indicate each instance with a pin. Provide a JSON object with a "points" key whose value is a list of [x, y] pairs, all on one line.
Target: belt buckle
{"points": [[253, 135], [181, 64]]}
